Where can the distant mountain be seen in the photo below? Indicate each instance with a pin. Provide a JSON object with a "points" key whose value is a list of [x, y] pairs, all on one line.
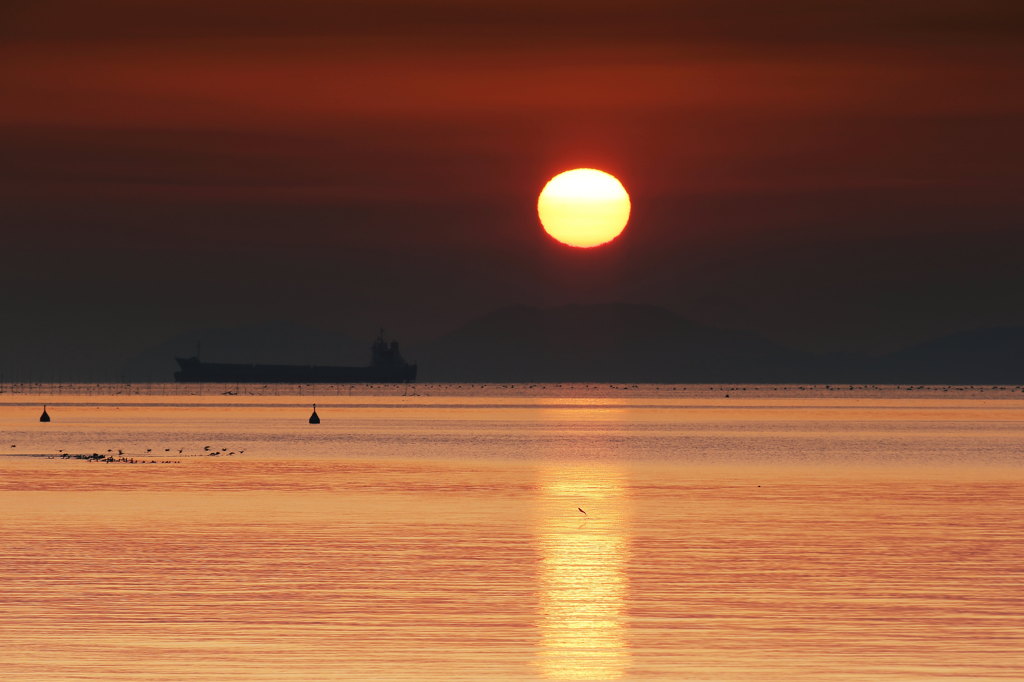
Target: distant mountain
{"points": [[587, 343], [609, 342], [638, 343], [982, 356]]}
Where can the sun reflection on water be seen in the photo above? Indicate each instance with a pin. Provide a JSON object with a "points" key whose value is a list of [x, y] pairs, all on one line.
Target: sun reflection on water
{"points": [[582, 578]]}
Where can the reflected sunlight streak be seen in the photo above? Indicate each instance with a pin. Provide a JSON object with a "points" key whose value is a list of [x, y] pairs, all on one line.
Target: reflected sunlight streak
{"points": [[583, 585]]}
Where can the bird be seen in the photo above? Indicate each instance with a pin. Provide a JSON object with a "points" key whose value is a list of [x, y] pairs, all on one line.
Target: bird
{"points": [[583, 512]]}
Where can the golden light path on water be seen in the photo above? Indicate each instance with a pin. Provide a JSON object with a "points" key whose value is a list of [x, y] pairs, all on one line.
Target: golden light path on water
{"points": [[791, 534], [583, 584]]}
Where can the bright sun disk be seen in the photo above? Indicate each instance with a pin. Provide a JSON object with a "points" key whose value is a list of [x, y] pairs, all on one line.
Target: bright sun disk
{"points": [[584, 207]]}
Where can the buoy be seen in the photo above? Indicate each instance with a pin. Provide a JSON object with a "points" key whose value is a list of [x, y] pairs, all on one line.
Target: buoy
{"points": [[44, 417], [314, 418]]}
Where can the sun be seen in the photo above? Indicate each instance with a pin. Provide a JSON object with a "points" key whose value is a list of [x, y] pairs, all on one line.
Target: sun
{"points": [[584, 207]]}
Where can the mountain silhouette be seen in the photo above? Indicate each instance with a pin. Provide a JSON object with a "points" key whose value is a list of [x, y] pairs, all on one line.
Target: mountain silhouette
{"points": [[609, 342], [615, 342], [981, 356]]}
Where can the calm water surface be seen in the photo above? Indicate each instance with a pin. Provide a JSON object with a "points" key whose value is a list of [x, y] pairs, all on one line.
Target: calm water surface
{"points": [[781, 533]]}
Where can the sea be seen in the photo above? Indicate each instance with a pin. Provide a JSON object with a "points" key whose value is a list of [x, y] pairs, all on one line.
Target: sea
{"points": [[511, 532]]}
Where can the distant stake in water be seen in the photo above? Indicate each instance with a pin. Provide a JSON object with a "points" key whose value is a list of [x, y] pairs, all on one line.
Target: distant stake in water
{"points": [[583, 512], [313, 418], [44, 417]]}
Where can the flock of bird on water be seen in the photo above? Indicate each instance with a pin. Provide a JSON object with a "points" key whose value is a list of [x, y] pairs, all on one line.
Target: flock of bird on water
{"points": [[314, 418], [122, 458]]}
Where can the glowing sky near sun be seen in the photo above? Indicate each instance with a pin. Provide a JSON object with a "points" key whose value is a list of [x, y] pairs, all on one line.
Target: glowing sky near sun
{"points": [[291, 153]]}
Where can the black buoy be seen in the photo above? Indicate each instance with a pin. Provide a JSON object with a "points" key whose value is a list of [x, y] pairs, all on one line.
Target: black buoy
{"points": [[44, 417], [314, 418]]}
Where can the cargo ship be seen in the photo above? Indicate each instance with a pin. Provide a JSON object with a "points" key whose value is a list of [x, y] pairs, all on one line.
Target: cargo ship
{"points": [[386, 365]]}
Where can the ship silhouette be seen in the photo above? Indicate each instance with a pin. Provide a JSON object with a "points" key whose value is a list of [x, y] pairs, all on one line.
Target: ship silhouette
{"points": [[386, 364]]}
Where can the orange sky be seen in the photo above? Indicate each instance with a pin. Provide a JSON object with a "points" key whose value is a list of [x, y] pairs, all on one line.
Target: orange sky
{"points": [[776, 152]]}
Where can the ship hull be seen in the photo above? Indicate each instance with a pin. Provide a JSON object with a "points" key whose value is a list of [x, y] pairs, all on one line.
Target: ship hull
{"points": [[196, 371]]}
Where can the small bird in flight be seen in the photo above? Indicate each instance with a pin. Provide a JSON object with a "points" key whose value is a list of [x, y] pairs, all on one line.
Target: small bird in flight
{"points": [[583, 512]]}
